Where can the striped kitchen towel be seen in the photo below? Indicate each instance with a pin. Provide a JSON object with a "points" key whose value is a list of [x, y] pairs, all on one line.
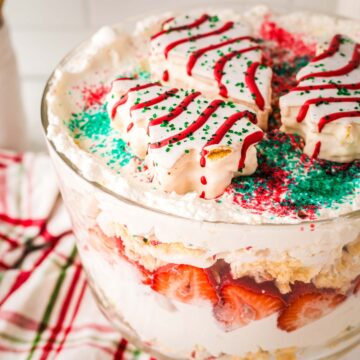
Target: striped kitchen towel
{"points": [[46, 308]]}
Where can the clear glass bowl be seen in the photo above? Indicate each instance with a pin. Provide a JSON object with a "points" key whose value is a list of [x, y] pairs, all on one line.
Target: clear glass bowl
{"points": [[165, 282]]}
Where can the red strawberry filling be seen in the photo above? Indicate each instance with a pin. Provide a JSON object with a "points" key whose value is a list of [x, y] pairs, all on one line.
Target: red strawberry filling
{"points": [[184, 283], [242, 302], [308, 305], [235, 303], [357, 285]]}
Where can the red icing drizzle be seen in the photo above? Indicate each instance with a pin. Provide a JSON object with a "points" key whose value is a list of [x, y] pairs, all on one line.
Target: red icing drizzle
{"points": [[198, 123], [335, 116], [351, 65], [177, 110], [192, 25], [203, 180], [316, 150], [249, 140], [354, 86], [198, 53], [124, 98], [122, 78], [165, 76], [227, 124], [130, 126], [166, 22], [220, 64], [203, 160], [304, 108], [251, 84], [155, 100], [223, 130], [332, 49], [227, 26]]}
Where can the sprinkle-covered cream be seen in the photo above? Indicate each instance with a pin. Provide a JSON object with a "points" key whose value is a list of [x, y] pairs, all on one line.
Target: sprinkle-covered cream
{"points": [[289, 184]]}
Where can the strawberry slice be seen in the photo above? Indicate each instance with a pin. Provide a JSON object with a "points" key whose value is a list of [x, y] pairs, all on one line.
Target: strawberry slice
{"points": [[308, 307], [240, 304], [184, 283], [357, 285]]}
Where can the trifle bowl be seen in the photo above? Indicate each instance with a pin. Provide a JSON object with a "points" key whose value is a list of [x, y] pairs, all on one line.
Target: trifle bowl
{"points": [[268, 267]]}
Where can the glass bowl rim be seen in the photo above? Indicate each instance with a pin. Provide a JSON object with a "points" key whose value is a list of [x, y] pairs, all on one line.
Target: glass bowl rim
{"points": [[45, 122]]}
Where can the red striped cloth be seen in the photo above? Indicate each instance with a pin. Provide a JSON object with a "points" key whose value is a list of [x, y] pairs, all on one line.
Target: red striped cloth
{"points": [[46, 307]]}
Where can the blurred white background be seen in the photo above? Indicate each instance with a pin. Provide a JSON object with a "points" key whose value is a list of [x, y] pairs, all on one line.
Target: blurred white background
{"points": [[43, 31]]}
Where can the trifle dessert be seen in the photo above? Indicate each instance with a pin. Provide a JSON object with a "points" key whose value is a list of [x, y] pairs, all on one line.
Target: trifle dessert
{"points": [[209, 160]]}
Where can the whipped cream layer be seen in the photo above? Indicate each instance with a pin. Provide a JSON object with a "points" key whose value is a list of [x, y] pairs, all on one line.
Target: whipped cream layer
{"points": [[287, 187]]}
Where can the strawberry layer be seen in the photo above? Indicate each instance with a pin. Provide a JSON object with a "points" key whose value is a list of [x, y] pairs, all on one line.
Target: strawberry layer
{"points": [[182, 325]]}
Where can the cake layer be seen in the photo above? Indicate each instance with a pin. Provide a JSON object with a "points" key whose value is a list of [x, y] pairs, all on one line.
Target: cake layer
{"points": [[324, 107], [331, 264], [188, 142]]}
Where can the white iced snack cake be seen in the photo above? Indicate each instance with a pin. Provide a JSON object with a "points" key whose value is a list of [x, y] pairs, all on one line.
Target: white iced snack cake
{"points": [[218, 58], [324, 107], [189, 143]]}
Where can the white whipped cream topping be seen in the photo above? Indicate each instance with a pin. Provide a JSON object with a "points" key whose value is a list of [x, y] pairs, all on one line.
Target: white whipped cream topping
{"points": [[113, 50]]}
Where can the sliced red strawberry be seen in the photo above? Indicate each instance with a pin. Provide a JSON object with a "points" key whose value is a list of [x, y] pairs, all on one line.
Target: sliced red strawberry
{"points": [[240, 305], [184, 283], [264, 287], [218, 272], [357, 285], [308, 307]]}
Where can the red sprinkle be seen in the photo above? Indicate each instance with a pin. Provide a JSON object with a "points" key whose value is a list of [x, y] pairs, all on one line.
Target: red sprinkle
{"points": [[94, 95], [271, 31]]}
